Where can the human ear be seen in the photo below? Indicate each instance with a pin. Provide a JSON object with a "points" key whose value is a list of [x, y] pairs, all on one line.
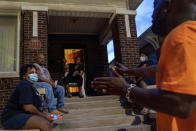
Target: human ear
{"points": [[25, 77], [165, 7]]}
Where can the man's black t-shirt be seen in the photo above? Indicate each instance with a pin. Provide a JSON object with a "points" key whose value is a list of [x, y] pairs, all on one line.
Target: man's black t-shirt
{"points": [[24, 93]]}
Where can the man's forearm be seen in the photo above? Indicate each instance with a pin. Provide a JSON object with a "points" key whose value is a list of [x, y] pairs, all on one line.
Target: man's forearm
{"points": [[43, 80], [163, 101], [148, 72]]}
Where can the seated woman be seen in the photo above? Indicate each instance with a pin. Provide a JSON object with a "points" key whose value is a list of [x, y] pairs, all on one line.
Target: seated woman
{"points": [[25, 106], [76, 71]]}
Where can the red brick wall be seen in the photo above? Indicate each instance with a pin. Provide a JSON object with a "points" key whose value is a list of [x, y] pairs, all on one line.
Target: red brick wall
{"points": [[6, 87], [126, 49], [29, 54], [26, 55]]}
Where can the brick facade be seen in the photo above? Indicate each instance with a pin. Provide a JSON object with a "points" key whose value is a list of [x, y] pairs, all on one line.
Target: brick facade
{"points": [[126, 49], [29, 54], [6, 88], [26, 55]]}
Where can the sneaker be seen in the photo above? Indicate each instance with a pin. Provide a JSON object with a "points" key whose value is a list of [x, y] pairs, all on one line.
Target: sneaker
{"points": [[69, 95], [55, 112], [63, 110], [144, 111], [81, 95]]}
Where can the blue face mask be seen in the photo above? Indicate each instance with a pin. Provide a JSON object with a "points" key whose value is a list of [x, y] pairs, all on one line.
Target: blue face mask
{"points": [[33, 78]]}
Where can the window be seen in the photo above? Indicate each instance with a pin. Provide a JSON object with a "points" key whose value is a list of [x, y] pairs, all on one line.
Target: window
{"points": [[9, 44], [110, 49]]}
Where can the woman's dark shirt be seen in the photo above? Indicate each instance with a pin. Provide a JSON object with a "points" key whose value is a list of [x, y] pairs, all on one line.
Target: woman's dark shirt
{"points": [[24, 93]]}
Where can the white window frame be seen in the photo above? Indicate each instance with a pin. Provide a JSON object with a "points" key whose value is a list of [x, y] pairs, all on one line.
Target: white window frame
{"points": [[13, 74]]}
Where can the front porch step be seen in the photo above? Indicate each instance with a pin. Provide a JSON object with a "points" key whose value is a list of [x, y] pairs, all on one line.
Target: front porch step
{"points": [[142, 127], [92, 98], [20, 130], [152, 114], [95, 112], [92, 104], [88, 122]]}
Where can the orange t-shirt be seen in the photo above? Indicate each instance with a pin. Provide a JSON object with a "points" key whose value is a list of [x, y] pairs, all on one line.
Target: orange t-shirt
{"points": [[177, 73]]}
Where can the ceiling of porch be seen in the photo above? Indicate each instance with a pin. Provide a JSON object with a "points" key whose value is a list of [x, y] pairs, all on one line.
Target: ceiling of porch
{"points": [[87, 23], [133, 4]]}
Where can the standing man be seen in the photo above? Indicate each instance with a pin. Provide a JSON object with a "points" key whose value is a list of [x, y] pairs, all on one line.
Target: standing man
{"points": [[175, 95], [45, 81]]}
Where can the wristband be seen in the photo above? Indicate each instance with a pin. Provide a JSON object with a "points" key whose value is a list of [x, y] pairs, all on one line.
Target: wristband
{"points": [[129, 90]]}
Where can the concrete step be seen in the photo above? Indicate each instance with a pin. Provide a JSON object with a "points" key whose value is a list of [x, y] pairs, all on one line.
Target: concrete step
{"points": [[92, 104], [113, 128], [21, 130], [142, 127], [100, 113], [97, 121], [152, 114], [92, 98], [82, 113]]}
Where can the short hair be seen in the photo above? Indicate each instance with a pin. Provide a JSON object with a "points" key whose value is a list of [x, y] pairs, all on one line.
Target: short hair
{"points": [[38, 55], [24, 69]]}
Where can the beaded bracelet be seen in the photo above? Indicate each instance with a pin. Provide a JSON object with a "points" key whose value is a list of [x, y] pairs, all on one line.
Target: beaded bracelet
{"points": [[129, 90]]}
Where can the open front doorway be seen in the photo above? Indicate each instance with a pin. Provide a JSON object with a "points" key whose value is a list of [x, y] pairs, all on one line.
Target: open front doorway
{"points": [[75, 76], [63, 47], [78, 33], [71, 54]]}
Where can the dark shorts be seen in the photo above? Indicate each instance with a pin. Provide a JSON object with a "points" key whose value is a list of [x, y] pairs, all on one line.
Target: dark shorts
{"points": [[16, 122]]}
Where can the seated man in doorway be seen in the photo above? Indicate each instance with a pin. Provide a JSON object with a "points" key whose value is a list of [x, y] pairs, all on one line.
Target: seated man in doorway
{"points": [[76, 71], [45, 81]]}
